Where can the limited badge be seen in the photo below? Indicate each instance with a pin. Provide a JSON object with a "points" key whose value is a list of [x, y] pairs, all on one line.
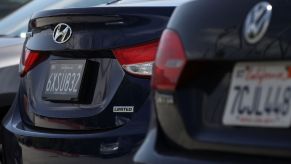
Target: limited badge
{"points": [[123, 109]]}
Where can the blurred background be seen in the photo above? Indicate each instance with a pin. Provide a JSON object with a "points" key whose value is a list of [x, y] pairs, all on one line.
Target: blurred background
{"points": [[8, 6], [15, 14]]}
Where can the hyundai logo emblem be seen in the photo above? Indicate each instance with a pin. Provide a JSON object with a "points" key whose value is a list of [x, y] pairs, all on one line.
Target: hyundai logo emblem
{"points": [[62, 33], [257, 22]]}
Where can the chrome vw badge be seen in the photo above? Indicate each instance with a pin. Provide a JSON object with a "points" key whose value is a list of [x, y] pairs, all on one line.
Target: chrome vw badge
{"points": [[257, 22], [62, 33]]}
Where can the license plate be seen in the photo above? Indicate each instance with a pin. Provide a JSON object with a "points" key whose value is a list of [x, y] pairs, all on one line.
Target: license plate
{"points": [[259, 95], [64, 80]]}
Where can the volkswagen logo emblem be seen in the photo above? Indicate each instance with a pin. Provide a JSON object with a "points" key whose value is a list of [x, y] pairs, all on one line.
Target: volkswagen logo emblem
{"points": [[62, 33], [257, 22]]}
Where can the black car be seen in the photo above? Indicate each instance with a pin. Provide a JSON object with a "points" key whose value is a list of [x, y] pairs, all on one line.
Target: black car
{"points": [[221, 85], [85, 83]]}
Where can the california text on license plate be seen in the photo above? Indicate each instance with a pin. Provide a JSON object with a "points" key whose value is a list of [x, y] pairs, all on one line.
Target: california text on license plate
{"points": [[64, 80], [259, 95]]}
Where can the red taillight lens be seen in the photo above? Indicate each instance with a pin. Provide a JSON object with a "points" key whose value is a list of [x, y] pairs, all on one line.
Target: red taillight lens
{"points": [[137, 60], [29, 60], [169, 63]]}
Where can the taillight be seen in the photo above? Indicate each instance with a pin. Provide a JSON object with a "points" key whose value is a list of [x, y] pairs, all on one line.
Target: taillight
{"points": [[169, 63], [29, 60], [138, 60]]}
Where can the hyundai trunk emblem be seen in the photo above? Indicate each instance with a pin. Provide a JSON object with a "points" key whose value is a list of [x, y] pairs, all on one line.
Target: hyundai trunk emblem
{"points": [[257, 22], [62, 33]]}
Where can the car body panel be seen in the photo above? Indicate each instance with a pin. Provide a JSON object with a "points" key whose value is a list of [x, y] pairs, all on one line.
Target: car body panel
{"points": [[140, 25], [213, 45], [44, 127], [220, 39], [153, 3], [125, 34], [217, 44], [27, 145], [10, 51]]}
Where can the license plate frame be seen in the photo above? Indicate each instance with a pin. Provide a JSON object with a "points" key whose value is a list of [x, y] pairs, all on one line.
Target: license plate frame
{"points": [[264, 79], [58, 71]]}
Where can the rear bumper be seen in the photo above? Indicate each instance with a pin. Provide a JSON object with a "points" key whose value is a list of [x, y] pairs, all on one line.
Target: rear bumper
{"points": [[147, 153], [25, 145], [158, 148]]}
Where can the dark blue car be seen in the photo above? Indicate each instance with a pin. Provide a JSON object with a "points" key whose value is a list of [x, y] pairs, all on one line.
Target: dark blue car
{"points": [[85, 84], [222, 85]]}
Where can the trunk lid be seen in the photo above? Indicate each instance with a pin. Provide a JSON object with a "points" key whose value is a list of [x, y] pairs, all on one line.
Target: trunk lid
{"points": [[213, 47]]}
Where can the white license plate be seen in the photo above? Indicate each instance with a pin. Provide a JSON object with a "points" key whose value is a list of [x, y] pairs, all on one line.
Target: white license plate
{"points": [[259, 95]]}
